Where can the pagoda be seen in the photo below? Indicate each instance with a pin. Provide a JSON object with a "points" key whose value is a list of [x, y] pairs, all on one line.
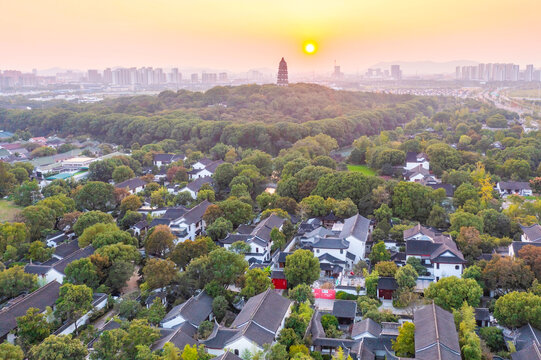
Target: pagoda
{"points": [[282, 74]]}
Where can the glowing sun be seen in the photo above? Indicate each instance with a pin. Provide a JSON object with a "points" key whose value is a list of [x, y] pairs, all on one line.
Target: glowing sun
{"points": [[310, 48]]}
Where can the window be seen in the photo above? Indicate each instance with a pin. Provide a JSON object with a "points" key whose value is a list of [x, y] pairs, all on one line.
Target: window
{"points": [[437, 265], [236, 351], [341, 251], [457, 267], [317, 251], [256, 249], [437, 278]]}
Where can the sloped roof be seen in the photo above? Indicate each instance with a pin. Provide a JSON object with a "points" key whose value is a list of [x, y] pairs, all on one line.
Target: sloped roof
{"points": [[195, 214], [531, 352], [40, 299], [330, 243], [435, 334], [387, 283], [357, 226], [533, 232], [514, 185], [195, 185], [195, 310], [228, 355], [527, 335], [163, 157], [66, 249], [205, 161], [60, 265], [131, 184], [266, 309], [180, 337], [174, 212], [518, 245], [366, 326], [212, 166], [36, 269], [265, 226], [344, 308]]}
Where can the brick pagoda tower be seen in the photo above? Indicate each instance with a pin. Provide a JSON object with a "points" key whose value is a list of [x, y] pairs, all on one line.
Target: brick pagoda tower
{"points": [[282, 74]]}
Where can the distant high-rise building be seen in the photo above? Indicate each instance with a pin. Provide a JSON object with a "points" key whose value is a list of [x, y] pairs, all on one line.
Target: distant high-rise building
{"points": [[282, 74], [337, 74], [222, 77], [528, 74], [175, 77], [107, 76], [195, 78], [209, 78], [396, 73], [94, 76], [457, 73]]}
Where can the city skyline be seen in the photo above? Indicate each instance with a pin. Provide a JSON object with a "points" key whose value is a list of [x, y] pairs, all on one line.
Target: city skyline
{"points": [[239, 35]]}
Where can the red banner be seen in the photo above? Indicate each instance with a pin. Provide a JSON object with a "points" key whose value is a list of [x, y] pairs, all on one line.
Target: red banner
{"points": [[325, 294]]}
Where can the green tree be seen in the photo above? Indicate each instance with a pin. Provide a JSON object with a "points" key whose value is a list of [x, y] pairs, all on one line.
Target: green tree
{"points": [[119, 273], [406, 277], [313, 205], [226, 266], [379, 253], [32, 328], [465, 192], [236, 211], [386, 268], [159, 240], [122, 173], [95, 195], [114, 237], [443, 158], [26, 194], [405, 341], [159, 273], [219, 228], [450, 292], [59, 347], [219, 307], [14, 281], [82, 272], [90, 218], [412, 201], [437, 217], [301, 293], [278, 239], [256, 282], [302, 267], [38, 252], [73, 302], [38, 219], [10, 352], [460, 219], [130, 202], [505, 274], [493, 337]]}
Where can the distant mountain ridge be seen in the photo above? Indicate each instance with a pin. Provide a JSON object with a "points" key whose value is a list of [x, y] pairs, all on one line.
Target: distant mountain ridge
{"points": [[425, 67]]}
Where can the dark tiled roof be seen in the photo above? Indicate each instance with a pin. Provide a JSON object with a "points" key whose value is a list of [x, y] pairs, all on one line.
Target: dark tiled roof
{"points": [[449, 190], [245, 229], [219, 337], [514, 185], [533, 232], [366, 326], [205, 161], [163, 157], [344, 309], [435, 334], [278, 275], [419, 229], [159, 221], [517, 245], [282, 256], [40, 299], [328, 257], [232, 238], [141, 224], [60, 265], [212, 166], [180, 337], [195, 214], [66, 249], [132, 184], [266, 309], [195, 185], [527, 335], [36, 269], [482, 314], [265, 226], [531, 352], [387, 283], [357, 226], [195, 310], [228, 355], [174, 213], [330, 243], [58, 236]]}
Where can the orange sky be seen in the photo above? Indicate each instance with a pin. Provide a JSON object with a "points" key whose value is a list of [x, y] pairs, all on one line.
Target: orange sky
{"points": [[243, 34]]}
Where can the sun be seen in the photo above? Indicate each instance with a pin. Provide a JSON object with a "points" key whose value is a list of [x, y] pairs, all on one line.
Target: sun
{"points": [[310, 47]]}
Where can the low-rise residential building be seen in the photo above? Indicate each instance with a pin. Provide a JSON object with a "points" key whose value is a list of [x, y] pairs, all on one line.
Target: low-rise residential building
{"points": [[191, 224], [435, 334], [206, 170], [438, 252], [40, 299], [414, 160], [133, 186], [258, 323], [160, 160], [521, 188], [259, 239], [195, 310], [194, 186]]}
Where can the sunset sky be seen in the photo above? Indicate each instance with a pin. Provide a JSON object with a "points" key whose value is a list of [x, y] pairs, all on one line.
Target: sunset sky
{"points": [[243, 34]]}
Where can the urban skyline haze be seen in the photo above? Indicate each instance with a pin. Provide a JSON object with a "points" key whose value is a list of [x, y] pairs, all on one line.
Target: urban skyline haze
{"points": [[239, 35]]}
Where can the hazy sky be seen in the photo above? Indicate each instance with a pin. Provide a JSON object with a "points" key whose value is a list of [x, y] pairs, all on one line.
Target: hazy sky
{"points": [[243, 34]]}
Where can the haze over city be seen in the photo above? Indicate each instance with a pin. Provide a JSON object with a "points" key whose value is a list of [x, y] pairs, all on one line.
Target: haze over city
{"points": [[239, 35]]}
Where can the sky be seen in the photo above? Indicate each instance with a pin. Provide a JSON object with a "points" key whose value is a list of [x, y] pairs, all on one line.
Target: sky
{"points": [[244, 34]]}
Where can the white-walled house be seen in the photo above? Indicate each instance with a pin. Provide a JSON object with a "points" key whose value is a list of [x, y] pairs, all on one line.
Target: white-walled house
{"points": [[436, 251], [258, 239], [166, 159], [99, 302], [133, 186], [191, 224], [258, 323], [194, 186], [195, 310], [415, 159], [521, 188], [204, 170]]}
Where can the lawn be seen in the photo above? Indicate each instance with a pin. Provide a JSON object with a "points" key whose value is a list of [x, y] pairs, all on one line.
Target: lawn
{"points": [[8, 210], [363, 169]]}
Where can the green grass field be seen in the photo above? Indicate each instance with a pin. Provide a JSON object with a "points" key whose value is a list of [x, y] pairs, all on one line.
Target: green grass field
{"points": [[363, 169], [8, 210], [527, 93]]}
